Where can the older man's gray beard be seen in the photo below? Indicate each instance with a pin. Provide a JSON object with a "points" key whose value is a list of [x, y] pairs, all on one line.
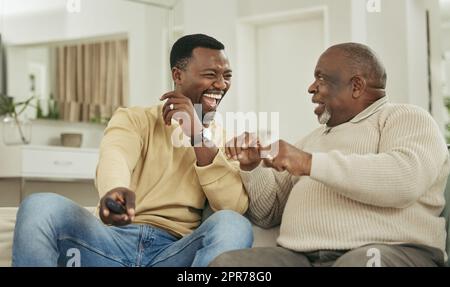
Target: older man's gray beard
{"points": [[325, 117]]}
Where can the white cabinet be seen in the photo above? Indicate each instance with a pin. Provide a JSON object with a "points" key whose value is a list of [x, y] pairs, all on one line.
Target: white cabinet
{"points": [[48, 162]]}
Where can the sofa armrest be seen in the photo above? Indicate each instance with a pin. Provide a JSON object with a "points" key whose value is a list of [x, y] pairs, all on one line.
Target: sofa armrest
{"points": [[7, 222]]}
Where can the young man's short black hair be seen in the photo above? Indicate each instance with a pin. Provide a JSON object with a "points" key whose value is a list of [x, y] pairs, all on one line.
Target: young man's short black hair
{"points": [[183, 47]]}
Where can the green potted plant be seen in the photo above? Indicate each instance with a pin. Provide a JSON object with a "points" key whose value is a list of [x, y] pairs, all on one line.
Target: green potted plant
{"points": [[52, 109], [16, 129]]}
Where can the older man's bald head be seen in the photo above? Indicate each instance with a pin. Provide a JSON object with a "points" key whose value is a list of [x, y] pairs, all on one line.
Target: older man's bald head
{"points": [[363, 61]]}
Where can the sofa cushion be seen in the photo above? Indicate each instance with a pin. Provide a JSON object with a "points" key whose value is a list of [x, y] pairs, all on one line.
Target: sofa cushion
{"points": [[7, 221], [265, 237]]}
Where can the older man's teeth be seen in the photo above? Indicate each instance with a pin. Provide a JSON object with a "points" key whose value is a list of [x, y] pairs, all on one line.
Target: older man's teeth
{"points": [[213, 96]]}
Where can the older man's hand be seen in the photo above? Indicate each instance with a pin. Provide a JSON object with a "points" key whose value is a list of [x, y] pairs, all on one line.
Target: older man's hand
{"points": [[283, 156]]}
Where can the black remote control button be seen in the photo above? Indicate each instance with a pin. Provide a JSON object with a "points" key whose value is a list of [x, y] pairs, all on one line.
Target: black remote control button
{"points": [[115, 206]]}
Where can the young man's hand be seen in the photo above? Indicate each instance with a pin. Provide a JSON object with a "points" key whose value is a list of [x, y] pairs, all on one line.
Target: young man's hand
{"points": [[246, 149], [181, 109], [122, 196], [279, 155]]}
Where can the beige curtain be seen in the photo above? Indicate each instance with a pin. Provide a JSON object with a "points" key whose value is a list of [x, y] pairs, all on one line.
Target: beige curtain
{"points": [[92, 80]]}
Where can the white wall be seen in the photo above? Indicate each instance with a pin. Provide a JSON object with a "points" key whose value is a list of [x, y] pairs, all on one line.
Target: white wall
{"points": [[398, 34], [339, 13], [418, 78], [359, 21], [178, 14], [218, 19], [446, 36], [386, 34]]}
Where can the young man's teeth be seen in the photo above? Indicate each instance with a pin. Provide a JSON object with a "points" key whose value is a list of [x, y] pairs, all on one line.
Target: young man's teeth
{"points": [[213, 96]]}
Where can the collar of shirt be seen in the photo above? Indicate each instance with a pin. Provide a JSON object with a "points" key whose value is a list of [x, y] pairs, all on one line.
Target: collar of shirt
{"points": [[373, 108]]}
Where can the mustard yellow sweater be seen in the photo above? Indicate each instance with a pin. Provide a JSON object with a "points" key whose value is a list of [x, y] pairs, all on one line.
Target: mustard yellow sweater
{"points": [[379, 178], [136, 152]]}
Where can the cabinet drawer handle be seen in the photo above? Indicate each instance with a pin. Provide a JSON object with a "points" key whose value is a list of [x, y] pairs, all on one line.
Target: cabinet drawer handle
{"points": [[62, 162]]}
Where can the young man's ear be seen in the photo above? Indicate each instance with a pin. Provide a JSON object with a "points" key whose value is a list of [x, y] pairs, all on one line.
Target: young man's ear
{"points": [[359, 86], [177, 76]]}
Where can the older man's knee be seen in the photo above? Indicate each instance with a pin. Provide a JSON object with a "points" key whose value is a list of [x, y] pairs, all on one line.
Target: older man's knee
{"points": [[227, 259], [380, 255], [261, 257]]}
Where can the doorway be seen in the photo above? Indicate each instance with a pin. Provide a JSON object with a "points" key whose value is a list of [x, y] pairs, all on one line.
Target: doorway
{"points": [[280, 53]]}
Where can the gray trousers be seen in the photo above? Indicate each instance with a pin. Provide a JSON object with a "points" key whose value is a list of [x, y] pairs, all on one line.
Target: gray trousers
{"points": [[377, 255]]}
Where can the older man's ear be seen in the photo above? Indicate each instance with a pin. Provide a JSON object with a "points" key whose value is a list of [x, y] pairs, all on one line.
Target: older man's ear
{"points": [[359, 85]]}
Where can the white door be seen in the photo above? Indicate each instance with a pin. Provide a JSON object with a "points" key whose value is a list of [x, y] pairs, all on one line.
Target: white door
{"points": [[287, 53]]}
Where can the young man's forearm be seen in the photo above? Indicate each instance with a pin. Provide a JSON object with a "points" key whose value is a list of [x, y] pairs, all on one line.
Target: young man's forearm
{"points": [[205, 154]]}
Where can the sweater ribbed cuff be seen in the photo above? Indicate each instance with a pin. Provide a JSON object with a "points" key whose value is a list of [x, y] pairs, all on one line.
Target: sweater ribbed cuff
{"points": [[247, 176], [215, 171], [256, 179]]}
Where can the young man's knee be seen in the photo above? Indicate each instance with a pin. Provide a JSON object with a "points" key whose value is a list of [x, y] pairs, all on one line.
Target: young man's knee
{"points": [[229, 219], [40, 206], [232, 227]]}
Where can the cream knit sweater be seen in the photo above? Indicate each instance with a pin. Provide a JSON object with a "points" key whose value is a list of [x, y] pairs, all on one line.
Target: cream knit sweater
{"points": [[379, 178]]}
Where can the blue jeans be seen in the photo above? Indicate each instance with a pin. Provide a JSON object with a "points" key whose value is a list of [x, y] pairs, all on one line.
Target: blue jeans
{"points": [[54, 231]]}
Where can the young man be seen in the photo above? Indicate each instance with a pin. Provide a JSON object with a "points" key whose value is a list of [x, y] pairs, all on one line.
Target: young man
{"points": [[365, 189], [161, 187]]}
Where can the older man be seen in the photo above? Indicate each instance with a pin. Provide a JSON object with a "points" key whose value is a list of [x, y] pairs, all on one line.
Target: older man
{"points": [[365, 189]]}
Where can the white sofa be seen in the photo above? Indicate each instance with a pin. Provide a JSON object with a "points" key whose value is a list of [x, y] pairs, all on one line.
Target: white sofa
{"points": [[262, 237]]}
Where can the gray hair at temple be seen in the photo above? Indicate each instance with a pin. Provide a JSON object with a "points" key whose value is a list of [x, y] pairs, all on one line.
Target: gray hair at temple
{"points": [[365, 62]]}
